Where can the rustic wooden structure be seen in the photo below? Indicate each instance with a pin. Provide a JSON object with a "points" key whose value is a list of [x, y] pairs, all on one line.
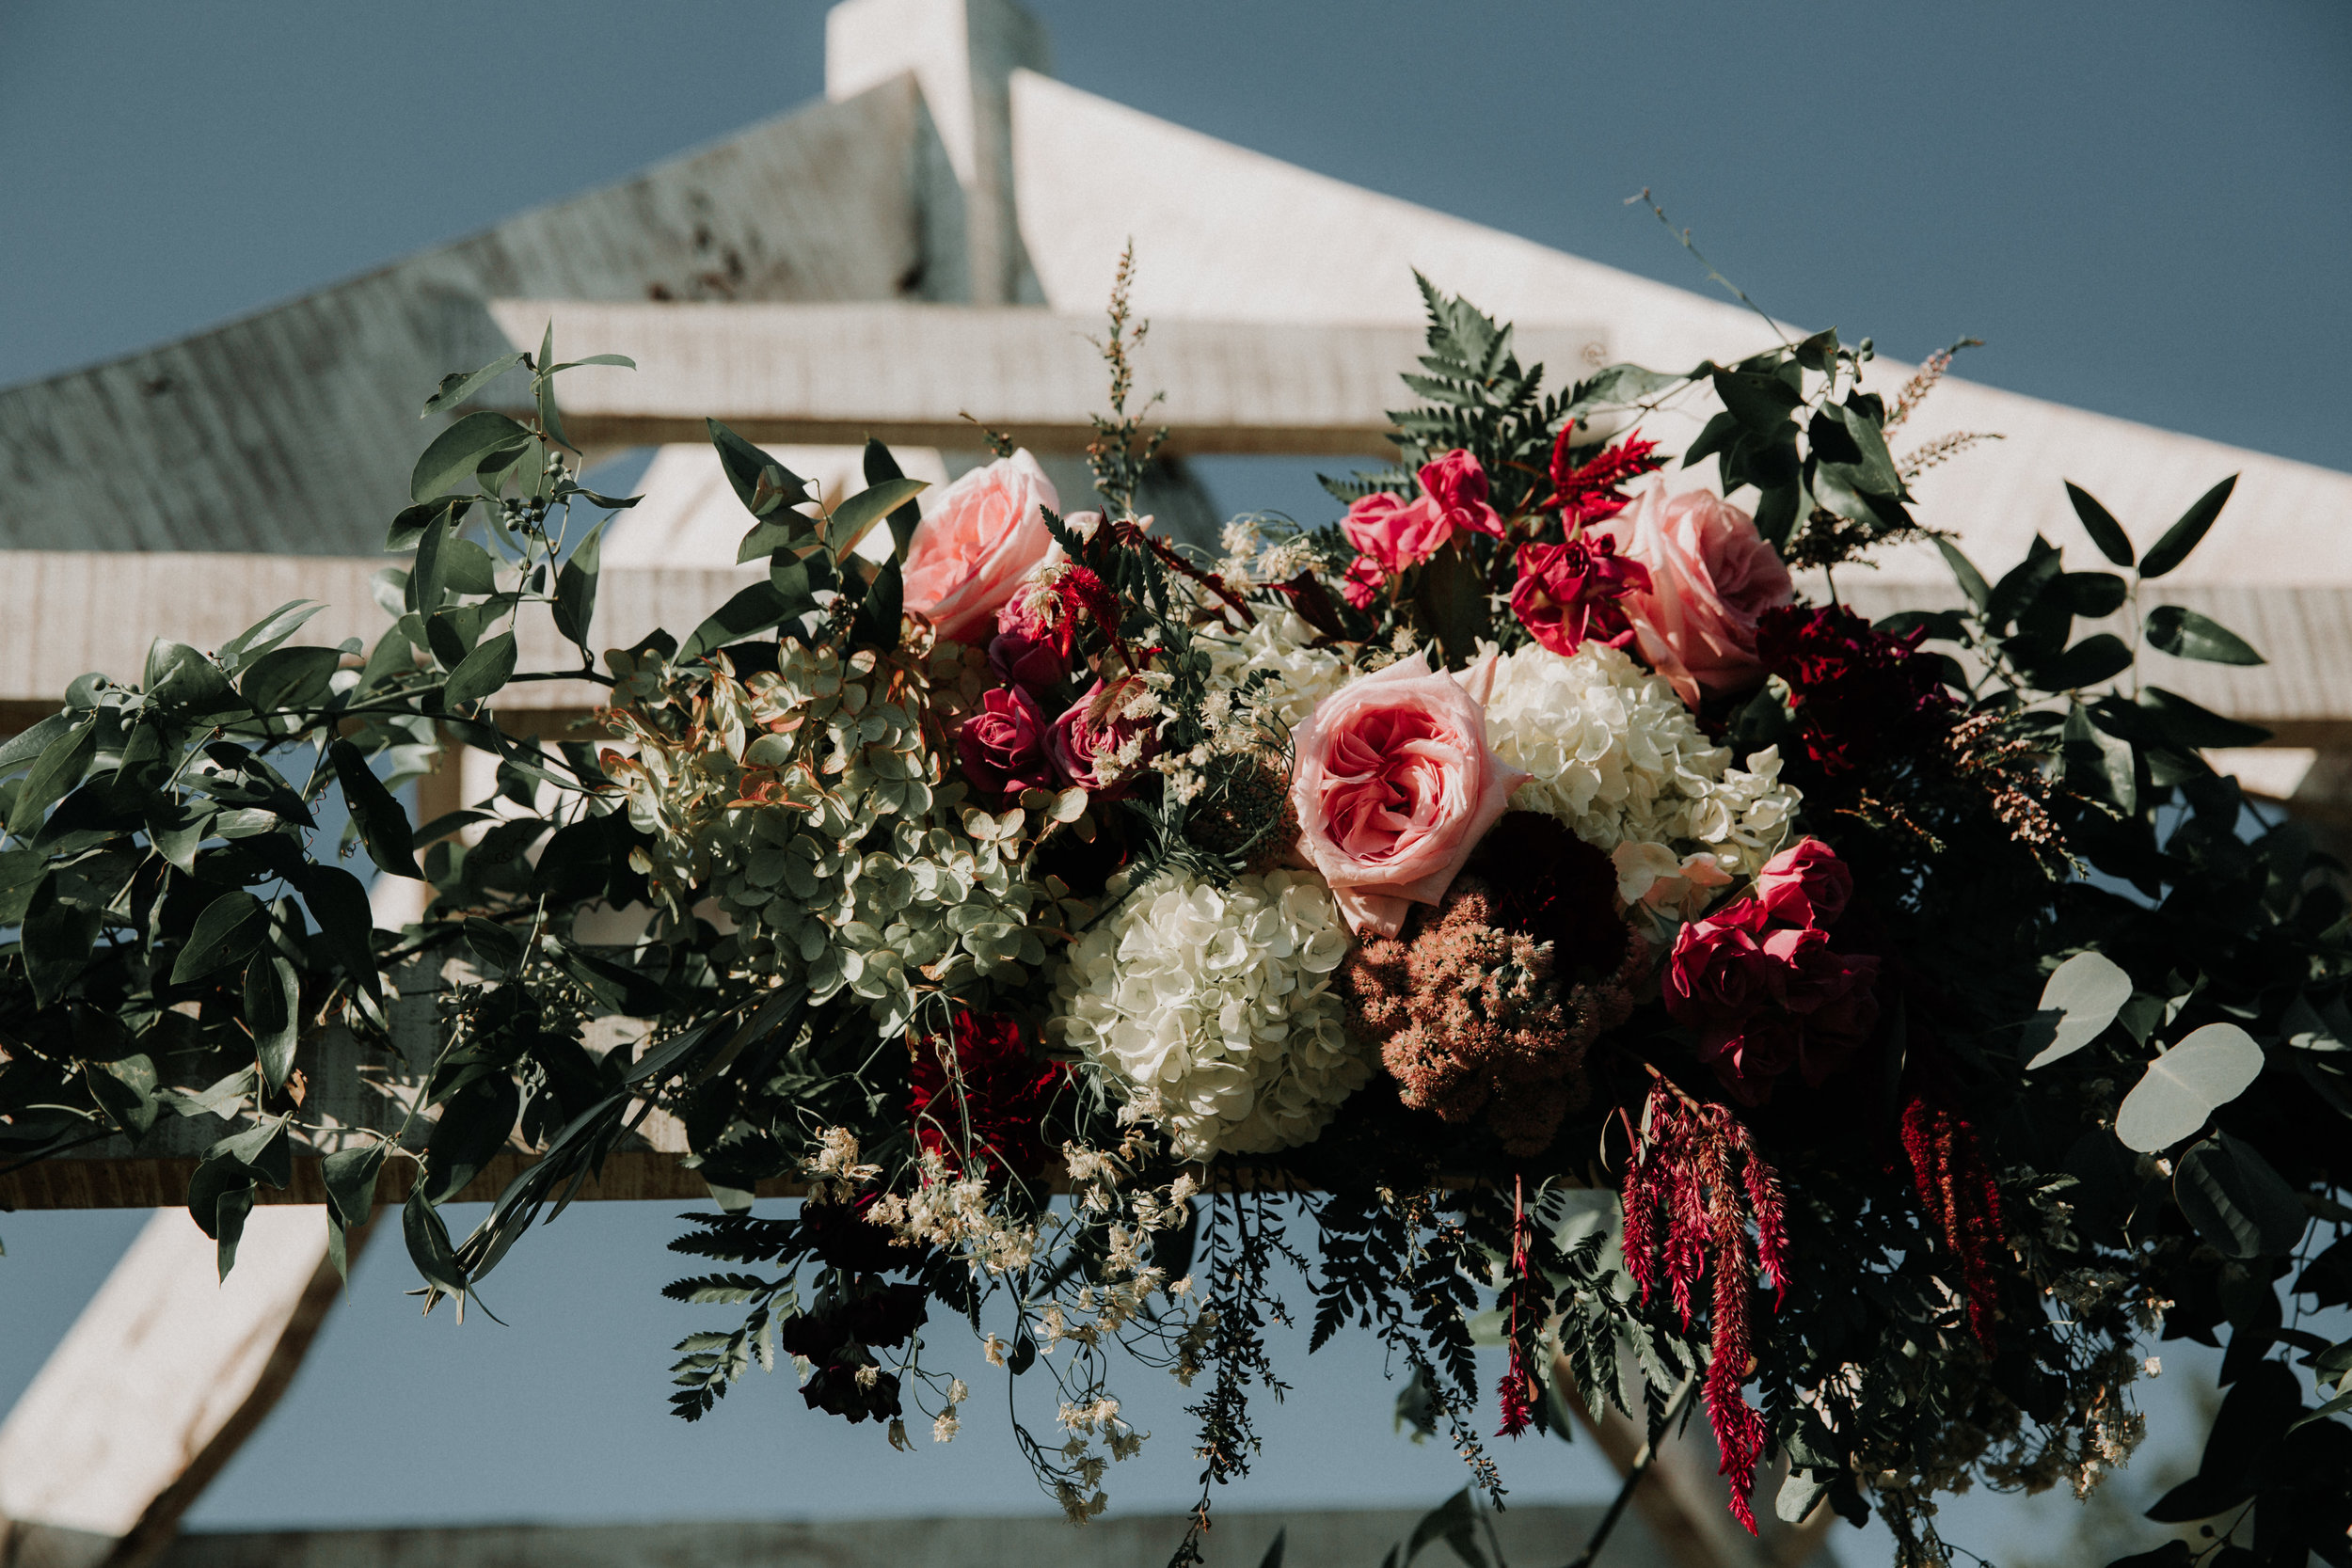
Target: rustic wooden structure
{"points": [[935, 239]]}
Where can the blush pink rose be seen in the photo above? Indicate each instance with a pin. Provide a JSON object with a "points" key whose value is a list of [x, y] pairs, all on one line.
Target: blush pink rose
{"points": [[1711, 574], [1394, 785], [1805, 885], [1004, 747], [1087, 738], [1458, 485], [986, 533]]}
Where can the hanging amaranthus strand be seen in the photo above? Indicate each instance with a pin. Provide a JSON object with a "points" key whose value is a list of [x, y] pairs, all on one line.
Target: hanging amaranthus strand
{"points": [[1518, 1382], [1699, 1176], [1957, 1190]]}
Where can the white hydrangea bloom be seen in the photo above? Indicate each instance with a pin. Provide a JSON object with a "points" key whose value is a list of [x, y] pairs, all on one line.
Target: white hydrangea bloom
{"points": [[1277, 643], [1212, 1011], [1615, 756]]}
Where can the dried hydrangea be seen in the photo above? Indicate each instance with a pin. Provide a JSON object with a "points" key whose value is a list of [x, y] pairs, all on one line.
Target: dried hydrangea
{"points": [[1212, 1011], [1615, 756], [810, 803]]}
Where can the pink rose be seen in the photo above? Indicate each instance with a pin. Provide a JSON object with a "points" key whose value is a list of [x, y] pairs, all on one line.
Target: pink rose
{"points": [[1363, 581], [1086, 739], [1003, 746], [1570, 594], [983, 537], [1395, 532], [1711, 574], [1805, 885], [1718, 975], [1458, 485], [1395, 785]]}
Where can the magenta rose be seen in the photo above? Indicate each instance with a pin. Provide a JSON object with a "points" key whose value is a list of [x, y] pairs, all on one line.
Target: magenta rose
{"points": [[1718, 975], [1363, 581], [1833, 996], [1394, 785], [1710, 576], [1567, 594], [1086, 740], [1805, 885], [1456, 482], [1395, 532], [1004, 747], [986, 533]]}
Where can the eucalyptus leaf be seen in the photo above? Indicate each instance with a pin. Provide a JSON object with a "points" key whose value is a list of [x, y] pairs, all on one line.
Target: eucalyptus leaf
{"points": [[2086, 991], [753, 609], [575, 608], [383, 822], [856, 517], [2183, 1087], [229, 927], [273, 1001], [760, 482], [457, 387], [459, 453], [2101, 525], [483, 673]]}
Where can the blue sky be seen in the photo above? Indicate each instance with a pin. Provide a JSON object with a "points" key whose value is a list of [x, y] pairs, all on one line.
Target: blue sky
{"points": [[2144, 209]]}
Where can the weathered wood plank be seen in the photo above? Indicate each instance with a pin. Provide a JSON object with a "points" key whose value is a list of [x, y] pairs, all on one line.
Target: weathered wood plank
{"points": [[909, 374]]}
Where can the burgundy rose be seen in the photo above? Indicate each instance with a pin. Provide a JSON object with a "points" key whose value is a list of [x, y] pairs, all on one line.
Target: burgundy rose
{"points": [[983, 1097], [1805, 885], [1831, 996], [1719, 976], [1003, 747], [1567, 594], [1086, 740], [1859, 694], [1022, 661]]}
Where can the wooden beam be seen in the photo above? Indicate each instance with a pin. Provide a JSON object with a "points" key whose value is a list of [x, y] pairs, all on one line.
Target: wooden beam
{"points": [[822, 374], [158, 1383]]}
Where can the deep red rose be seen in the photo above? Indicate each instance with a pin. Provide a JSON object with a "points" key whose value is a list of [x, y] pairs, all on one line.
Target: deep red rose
{"points": [[1567, 594], [1719, 976], [1860, 694], [992, 1107], [1805, 885], [1033, 662], [1003, 747]]}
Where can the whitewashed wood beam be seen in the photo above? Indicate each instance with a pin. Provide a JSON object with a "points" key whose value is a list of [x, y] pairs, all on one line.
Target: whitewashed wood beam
{"points": [[907, 373], [159, 1381]]}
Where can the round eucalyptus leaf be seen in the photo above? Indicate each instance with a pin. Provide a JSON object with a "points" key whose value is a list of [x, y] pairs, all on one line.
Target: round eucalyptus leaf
{"points": [[2235, 1199], [2087, 991], [2185, 1085]]}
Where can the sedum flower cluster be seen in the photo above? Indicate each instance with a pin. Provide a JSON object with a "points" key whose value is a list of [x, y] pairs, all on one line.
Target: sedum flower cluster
{"points": [[1616, 754], [810, 804], [1213, 1013]]}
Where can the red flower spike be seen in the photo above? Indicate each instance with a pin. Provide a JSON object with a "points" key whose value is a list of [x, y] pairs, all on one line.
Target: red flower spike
{"points": [[1594, 491], [1957, 1190]]}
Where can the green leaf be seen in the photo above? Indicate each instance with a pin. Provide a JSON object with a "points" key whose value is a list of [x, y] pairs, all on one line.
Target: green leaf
{"points": [[2101, 525], [290, 678], [2086, 991], [467, 568], [482, 672], [428, 1244], [1760, 402], [2186, 1085], [542, 390], [426, 582], [2185, 724], [1964, 573], [1273, 1558], [349, 1175], [880, 614], [273, 1003], [230, 927], [25, 747], [126, 1088], [880, 467], [456, 453], [2183, 536], [621, 359], [457, 387], [60, 766], [180, 679], [2092, 594], [761, 483], [856, 517], [384, 826], [2100, 656], [2236, 1200], [1798, 1493], [575, 606], [1455, 1522], [2185, 634], [337, 903], [266, 633], [473, 1127], [753, 609]]}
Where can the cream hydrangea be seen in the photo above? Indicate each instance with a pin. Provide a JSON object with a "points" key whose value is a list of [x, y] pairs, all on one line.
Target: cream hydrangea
{"points": [[1278, 643], [1212, 1010], [1615, 756]]}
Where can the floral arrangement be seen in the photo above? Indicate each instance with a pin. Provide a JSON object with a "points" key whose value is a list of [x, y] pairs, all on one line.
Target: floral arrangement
{"points": [[1106, 937]]}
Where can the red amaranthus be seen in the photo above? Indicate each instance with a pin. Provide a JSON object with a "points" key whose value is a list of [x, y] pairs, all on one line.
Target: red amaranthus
{"points": [[1595, 490], [1957, 1190], [1697, 1184]]}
